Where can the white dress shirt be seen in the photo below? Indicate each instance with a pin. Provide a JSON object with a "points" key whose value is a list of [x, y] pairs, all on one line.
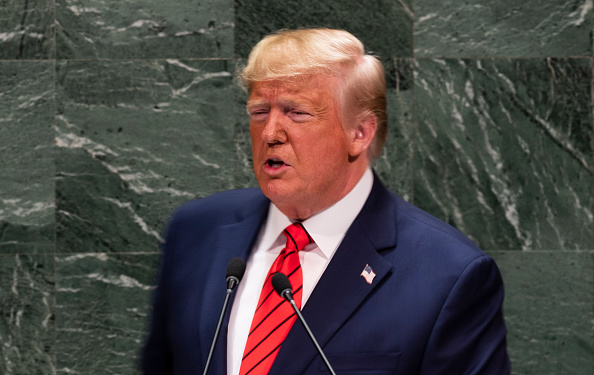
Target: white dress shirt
{"points": [[327, 228]]}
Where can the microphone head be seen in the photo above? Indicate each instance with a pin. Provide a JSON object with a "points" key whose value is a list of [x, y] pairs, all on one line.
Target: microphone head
{"points": [[236, 268], [280, 283]]}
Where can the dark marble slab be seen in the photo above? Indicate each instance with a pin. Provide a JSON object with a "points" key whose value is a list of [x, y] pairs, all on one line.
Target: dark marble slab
{"points": [[102, 309], [27, 161], [26, 29], [27, 314], [548, 311], [144, 29], [395, 165], [134, 140], [476, 28], [244, 170], [503, 150], [384, 26]]}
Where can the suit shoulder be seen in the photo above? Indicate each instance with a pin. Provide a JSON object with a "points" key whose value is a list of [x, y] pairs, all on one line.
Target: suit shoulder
{"points": [[223, 206], [424, 232], [433, 223], [391, 221]]}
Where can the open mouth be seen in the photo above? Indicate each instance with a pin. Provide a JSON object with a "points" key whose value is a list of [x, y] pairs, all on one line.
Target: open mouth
{"points": [[275, 163]]}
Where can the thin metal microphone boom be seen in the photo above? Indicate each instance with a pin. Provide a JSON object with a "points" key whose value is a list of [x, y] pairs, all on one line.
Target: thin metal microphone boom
{"points": [[235, 271], [283, 287]]}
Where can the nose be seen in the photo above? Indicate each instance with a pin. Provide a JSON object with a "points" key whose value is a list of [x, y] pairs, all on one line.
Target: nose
{"points": [[274, 129]]}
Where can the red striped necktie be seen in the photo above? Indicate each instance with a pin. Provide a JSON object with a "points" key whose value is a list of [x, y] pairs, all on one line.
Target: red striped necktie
{"points": [[273, 317]]}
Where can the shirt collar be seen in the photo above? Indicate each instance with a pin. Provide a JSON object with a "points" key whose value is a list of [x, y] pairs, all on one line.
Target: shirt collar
{"points": [[328, 227]]}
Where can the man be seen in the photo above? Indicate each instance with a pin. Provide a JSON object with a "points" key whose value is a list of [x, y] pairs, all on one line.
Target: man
{"points": [[385, 287]]}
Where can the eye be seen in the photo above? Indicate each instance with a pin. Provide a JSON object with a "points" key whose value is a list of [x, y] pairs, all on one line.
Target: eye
{"points": [[298, 115], [258, 114]]}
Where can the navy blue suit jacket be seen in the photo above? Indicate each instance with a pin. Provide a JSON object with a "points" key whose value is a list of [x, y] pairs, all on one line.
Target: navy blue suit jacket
{"points": [[434, 307]]}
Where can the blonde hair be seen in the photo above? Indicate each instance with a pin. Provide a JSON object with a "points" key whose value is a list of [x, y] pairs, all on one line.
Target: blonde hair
{"points": [[291, 54]]}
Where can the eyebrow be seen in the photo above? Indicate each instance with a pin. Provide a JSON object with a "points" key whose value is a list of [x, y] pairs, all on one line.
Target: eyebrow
{"points": [[281, 102], [256, 103]]}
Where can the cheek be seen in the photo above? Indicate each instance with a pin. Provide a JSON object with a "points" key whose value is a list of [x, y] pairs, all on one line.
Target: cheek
{"points": [[325, 152], [253, 132], [254, 137]]}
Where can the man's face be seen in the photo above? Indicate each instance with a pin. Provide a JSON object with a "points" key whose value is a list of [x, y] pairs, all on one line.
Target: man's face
{"points": [[299, 145]]}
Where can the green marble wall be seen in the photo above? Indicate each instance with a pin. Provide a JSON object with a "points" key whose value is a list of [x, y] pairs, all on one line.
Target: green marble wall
{"points": [[113, 113]]}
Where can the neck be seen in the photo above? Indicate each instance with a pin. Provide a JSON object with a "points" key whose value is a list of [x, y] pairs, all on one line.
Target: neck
{"points": [[305, 210]]}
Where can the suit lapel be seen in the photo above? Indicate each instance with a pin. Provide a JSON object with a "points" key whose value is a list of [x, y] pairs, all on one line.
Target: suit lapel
{"points": [[235, 240], [341, 288]]}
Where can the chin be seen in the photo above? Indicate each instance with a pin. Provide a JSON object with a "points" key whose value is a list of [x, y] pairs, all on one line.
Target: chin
{"points": [[276, 190], [274, 193]]}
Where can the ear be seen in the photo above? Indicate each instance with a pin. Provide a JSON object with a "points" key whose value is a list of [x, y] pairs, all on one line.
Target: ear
{"points": [[362, 135]]}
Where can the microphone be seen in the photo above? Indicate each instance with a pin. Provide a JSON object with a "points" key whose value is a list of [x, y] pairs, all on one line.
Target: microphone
{"points": [[235, 271], [282, 285]]}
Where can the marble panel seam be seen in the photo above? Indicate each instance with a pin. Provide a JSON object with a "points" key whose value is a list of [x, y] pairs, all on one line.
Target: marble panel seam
{"points": [[560, 251]]}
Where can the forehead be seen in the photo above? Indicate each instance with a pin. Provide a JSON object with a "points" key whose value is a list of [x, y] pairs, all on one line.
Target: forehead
{"points": [[311, 88]]}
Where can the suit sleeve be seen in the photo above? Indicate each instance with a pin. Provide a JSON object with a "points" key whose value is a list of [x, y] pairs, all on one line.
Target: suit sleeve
{"points": [[156, 357], [469, 334]]}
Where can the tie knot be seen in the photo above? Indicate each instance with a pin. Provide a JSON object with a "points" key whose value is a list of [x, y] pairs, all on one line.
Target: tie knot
{"points": [[297, 236]]}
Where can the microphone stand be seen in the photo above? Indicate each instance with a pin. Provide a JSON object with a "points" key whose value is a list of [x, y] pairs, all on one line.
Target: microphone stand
{"points": [[232, 283], [288, 296], [282, 285], [235, 271]]}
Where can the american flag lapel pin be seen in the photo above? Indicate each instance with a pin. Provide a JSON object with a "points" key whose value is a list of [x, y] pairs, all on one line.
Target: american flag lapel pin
{"points": [[368, 274]]}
